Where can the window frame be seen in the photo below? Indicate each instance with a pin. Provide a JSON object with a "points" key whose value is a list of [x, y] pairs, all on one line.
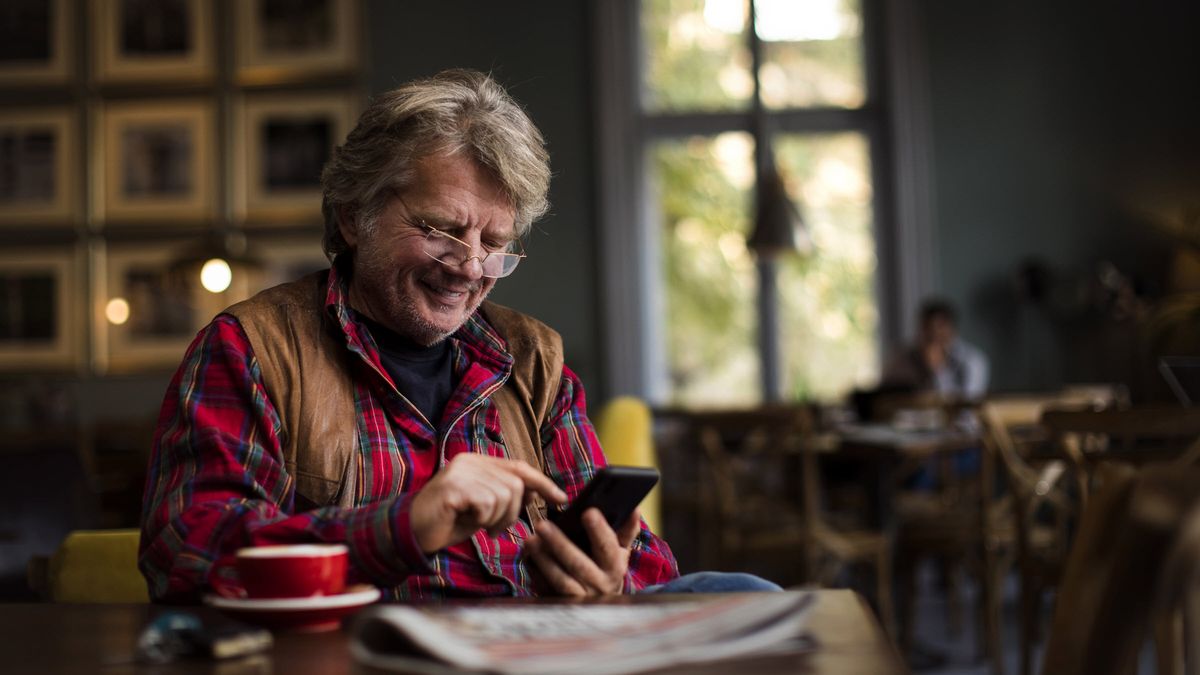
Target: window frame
{"points": [[893, 119]]}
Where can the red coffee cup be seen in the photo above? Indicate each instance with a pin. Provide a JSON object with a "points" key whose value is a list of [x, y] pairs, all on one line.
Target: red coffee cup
{"points": [[285, 571]]}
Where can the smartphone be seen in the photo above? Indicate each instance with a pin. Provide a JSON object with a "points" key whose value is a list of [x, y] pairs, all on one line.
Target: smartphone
{"points": [[615, 490]]}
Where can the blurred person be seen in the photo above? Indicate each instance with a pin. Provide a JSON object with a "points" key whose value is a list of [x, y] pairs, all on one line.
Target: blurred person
{"points": [[382, 403], [939, 360]]}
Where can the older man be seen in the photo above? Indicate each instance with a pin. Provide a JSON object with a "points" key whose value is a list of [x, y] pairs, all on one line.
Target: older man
{"points": [[382, 403]]}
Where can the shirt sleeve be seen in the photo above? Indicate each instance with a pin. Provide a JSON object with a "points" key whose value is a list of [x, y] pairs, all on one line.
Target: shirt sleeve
{"points": [[573, 455], [216, 481], [977, 372]]}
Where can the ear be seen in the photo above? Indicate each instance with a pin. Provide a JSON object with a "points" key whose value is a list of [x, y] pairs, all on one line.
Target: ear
{"points": [[348, 226]]}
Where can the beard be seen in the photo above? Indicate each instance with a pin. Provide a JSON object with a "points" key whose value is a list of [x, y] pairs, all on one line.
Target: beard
{"points": [[386, 300]]}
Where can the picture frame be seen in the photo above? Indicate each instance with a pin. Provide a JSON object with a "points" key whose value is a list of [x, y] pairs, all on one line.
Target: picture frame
{"points": [[288, 40], [40, 326], [154, 161], [153, 40], [35, 44], [282, 142], [39, 156], [164, 306]]}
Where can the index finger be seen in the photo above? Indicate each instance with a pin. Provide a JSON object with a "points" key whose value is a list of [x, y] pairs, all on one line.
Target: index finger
{"points": [[537, 481]]}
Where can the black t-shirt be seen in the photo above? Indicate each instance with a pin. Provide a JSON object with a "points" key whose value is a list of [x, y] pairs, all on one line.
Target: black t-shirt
{"points": [[422, 374]]}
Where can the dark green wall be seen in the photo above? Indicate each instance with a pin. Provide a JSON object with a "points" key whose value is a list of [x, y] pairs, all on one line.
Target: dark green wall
{"points": [[540, 52], [1059, 127]]}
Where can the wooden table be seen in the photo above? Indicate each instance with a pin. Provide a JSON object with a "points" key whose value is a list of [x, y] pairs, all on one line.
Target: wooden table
{"points": [[883, 449], [49, 638]]}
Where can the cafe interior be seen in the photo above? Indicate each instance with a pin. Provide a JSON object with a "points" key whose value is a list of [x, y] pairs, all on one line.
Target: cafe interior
{"points": [[752, 203]]}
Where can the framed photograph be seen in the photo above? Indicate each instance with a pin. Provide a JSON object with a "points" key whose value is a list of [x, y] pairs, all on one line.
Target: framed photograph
{"points": [[282, 143], [283, 40], [148, 40], [148, 309], [35, 43], [39, 158], [40, 324], [154, 161]]}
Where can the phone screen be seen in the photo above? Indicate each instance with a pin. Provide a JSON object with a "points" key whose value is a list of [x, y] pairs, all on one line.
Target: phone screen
{"points": [[615, 490]]}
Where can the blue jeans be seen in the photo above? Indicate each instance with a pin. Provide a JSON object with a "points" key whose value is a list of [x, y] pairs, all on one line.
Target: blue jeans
{"points": [[713, 582]]}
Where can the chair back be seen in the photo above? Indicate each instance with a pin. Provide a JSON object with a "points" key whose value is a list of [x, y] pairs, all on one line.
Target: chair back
{"points": [[750, 460], [96, 566], [1138, 545], [1155, 432], [626, 432]]}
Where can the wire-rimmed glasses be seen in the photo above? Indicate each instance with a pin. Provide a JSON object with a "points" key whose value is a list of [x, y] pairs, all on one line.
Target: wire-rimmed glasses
{"points": [[454, 252]]}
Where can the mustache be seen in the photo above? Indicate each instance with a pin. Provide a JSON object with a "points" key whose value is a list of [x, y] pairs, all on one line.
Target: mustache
{"points": [[449, 283]]}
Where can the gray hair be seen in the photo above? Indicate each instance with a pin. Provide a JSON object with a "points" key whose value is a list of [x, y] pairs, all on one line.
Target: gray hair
{"points": [[455, 111]]}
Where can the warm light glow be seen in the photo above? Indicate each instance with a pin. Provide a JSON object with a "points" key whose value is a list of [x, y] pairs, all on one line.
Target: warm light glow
{"points": [[117, 311], [216, 276]]}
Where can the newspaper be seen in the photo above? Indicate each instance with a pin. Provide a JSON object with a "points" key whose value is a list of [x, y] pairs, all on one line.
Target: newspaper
{"points": [[595, 639]]}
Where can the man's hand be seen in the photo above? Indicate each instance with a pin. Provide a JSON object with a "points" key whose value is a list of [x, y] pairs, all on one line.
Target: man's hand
{"points": [[935, 356], [569, 571], [472, 493]]}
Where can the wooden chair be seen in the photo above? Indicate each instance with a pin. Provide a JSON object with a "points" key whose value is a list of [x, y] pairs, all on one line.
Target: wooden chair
{"points": [[625, 429], [935, 522], [1137, 551], [1028, 524], [753, 458], [91, 566]]}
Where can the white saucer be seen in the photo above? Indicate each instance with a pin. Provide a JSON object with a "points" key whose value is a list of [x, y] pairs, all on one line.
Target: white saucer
{"points": [[322, 612]]}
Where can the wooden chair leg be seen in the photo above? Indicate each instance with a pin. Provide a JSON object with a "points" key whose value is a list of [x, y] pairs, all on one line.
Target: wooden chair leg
{"points": [[905, 580], [993, 589], [952, 569], [1029, 610], [883, 588], [1168, 643]]}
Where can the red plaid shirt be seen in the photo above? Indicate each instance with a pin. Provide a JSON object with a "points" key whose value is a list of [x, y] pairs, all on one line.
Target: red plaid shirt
{"points": [[217, 481]]}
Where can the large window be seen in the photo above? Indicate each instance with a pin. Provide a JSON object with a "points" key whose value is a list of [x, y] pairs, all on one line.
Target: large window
{"points": [[698, 141]]}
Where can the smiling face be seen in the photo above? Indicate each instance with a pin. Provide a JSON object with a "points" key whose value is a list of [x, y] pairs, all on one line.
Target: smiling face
{"points": [[394, 283]]}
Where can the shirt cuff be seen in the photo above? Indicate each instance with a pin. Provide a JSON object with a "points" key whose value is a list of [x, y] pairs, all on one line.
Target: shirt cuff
{"points": [[383, 544]]}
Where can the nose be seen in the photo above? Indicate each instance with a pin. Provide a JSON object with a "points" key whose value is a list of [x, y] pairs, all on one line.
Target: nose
{"points": [[471, 266], [470, 269]]}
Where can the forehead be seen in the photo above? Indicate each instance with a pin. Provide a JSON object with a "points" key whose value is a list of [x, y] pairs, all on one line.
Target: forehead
{"points": [[454, 190]]}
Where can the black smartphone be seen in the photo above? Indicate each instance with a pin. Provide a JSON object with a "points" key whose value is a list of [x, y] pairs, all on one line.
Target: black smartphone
{"points": [[615, 490]]}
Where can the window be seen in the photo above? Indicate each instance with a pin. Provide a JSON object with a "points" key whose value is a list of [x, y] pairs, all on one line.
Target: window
{"points": [[689, 98]]}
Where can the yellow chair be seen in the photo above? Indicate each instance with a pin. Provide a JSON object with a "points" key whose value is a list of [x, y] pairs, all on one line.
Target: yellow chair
{"points": [[625, 428], [93, 566]]}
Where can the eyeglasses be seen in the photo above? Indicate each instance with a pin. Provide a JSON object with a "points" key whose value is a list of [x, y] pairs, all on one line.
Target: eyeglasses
{"points": [[454, 252]]}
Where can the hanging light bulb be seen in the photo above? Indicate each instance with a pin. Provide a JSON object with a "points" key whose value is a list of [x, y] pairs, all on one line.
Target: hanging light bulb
{"points": [[216, 275], [117, 311]]}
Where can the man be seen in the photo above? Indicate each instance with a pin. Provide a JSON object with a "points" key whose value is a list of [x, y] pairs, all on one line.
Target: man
{"points": [[382, 404], [940, 361]]}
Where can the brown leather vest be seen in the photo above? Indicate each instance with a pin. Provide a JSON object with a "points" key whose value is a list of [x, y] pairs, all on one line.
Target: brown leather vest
{"points": [[306, 370]]}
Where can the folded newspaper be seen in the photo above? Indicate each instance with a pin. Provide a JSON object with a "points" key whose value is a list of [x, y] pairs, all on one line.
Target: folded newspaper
{"points": [[592, 639]]}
